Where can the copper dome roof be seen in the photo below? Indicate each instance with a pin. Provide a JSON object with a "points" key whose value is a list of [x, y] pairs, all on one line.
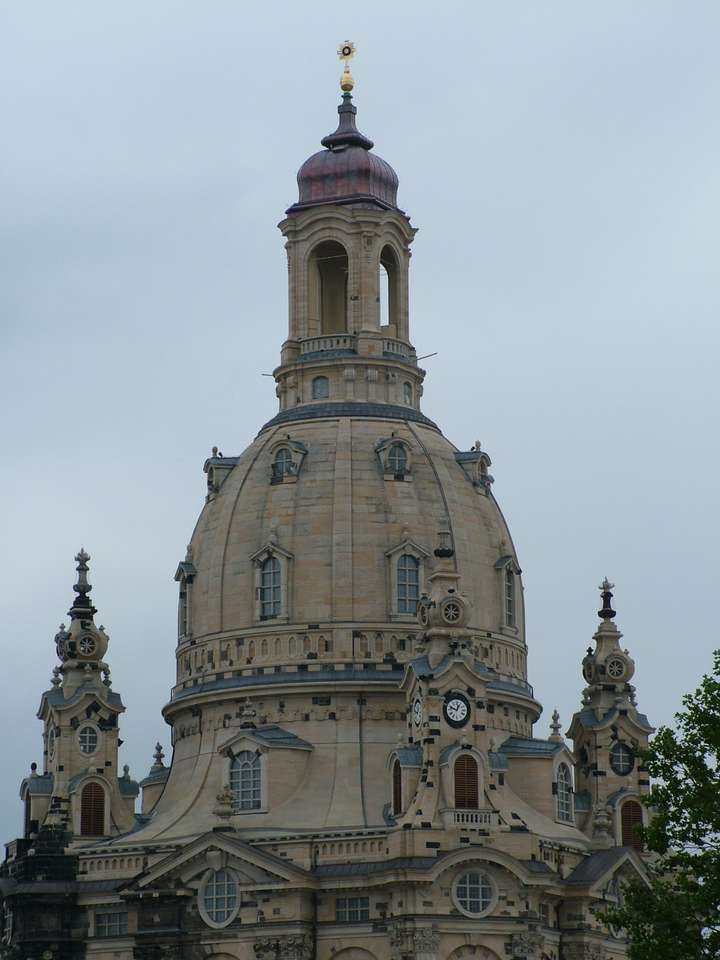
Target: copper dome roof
{"points": [[346, 171]]}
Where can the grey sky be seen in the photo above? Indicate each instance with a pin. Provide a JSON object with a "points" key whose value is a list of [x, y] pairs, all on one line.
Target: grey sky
{"points": [[560, 160]]}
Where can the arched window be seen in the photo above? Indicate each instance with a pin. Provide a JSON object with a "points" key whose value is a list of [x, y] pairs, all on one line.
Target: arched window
{"points": [[92, 811], [408, 583], [630, 819], [408, 393], [88, 739], [328, 287], [388, 289], [245, 781], [564, 793], [397, 788], [320, 388], [509, 597], [466, 783], [282, 465], [397, 459], [270, 599]]}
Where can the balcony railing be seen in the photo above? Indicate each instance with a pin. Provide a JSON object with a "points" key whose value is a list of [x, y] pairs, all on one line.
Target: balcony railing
{"points": [[340, 341], [473, 819]]}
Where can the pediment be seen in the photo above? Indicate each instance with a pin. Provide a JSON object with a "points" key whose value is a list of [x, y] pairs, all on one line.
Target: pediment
{"points": [[408, 546], [268, 737], [452, 671], [269, 549], [601, 868], [214, 851]]}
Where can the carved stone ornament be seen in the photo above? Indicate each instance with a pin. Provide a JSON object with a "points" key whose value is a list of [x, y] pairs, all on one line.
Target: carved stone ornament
{"points": [[426, 941], [584, 951], [527, 946], [298, 947], [224, 805]]}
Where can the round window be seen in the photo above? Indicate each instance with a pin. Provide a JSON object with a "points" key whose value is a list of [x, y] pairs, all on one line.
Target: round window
{"points": [[219, 898], [622, 759], [615, 668], [474, 893], [451, 611], [87, 646], [88, 739]]}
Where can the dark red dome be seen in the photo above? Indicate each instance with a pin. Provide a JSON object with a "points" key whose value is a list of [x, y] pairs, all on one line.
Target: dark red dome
{"points": [[346, 172]]}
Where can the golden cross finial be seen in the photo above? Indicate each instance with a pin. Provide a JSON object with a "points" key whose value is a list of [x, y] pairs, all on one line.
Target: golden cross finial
{"points": [[346, 51]]}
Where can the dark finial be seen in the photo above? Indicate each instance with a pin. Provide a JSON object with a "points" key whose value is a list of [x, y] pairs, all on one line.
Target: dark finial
{"points": [[158, 757], [82, 605], [607, 612], [347, 134], [444, 548]]}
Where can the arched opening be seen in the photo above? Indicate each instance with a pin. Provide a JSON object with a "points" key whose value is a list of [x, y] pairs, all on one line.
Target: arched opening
{"points": [[328, 280], [509, 597], [397, 459], [282, 465], [270, 596], [630, 820], [564, 793], [397, 788], [388, 293], [246, 781], [92, 811], [466, 783]]}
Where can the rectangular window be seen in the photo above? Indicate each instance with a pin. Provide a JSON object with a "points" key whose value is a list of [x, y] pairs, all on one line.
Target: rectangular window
{"points": [[113, 924], [352, 909], [509, 598]]}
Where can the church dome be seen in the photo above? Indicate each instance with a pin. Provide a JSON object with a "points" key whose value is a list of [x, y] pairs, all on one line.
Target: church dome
{"points": [[346, 172]]}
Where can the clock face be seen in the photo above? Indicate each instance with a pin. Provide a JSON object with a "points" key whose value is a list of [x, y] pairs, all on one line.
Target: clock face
{"points": [[456, 710], [417, 712]]}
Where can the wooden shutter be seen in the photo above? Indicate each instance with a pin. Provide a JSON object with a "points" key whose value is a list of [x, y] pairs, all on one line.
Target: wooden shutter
{"points": [[92, 811], [397, 787], [631, 818], [466, 783]]}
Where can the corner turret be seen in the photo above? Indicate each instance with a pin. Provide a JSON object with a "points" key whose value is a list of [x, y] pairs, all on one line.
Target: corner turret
{"points": [[607, 733], [79, 789]]}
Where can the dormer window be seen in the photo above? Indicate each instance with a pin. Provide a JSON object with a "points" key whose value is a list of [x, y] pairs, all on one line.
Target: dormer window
{"points": [[270, 589], [286, 459], [320, 388], [395, 455]]}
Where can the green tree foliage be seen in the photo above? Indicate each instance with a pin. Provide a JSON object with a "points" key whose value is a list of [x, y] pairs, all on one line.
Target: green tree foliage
{"points": [[676, 915]]}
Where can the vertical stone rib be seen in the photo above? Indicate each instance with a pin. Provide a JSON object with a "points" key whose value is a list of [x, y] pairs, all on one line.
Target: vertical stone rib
{"points": [[342, 582]]}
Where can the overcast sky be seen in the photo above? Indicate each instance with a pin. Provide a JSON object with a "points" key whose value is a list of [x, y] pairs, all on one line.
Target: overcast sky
{"points": [[561, 162]]}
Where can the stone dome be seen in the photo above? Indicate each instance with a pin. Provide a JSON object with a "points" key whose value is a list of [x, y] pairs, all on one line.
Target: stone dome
{"points": [[346, 172], [339, 527]]}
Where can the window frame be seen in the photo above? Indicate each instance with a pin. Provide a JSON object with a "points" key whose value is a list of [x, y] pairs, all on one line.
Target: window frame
{"points": [[111, 912], [270, 588], [393, 556], [564, 806], [254, 760], [317, 384], [405, 604], [78, 819], [621, 747], [272, 550], [465, 758], [202, 894], [488, 884], [87, 725], [350, 906]]}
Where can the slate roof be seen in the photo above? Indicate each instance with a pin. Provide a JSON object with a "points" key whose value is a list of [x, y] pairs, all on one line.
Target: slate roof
{"points": [[521, 746], [40, 785], [263, 679], [594, 866], [56, 698], [380, 411], [589, 720], [410, 756], [276, 736]]}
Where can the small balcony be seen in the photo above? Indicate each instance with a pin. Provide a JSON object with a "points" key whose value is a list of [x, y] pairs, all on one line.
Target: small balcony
{"points": [[484, 820]]}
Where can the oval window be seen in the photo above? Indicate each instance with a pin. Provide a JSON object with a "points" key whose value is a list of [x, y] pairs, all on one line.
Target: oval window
{"points": [[219, 898]]}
